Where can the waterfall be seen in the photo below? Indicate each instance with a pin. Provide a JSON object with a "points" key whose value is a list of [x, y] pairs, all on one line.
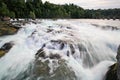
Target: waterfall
{"points": [[59, 50]]}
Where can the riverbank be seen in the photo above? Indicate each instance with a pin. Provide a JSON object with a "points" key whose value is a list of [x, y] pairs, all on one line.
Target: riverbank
{"points": [[7, 28]]}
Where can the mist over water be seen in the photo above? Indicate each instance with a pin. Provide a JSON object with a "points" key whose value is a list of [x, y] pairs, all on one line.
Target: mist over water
{"points": [[60, 50]]}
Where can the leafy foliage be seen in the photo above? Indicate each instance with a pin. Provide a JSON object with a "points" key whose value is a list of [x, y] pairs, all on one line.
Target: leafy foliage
{"points": [[3, 9], [32, 15], [38, 9]]}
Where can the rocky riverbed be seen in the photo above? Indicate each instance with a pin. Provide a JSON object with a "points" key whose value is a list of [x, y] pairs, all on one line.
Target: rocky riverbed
{"points": [[58, 50]]}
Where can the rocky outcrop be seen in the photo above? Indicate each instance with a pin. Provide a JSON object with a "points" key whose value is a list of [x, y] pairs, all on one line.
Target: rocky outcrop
{"points": [[114, 70], [5, 18], [60, 46], [5, 48], [118, 60], [6, 28]]}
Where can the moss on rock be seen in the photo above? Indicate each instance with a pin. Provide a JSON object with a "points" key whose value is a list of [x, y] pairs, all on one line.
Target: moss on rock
{"points": [[2, 53], [6, 28]]}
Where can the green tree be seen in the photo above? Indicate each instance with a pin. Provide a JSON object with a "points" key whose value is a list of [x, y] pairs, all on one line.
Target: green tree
{"points": [[22, 9], [12, 14], [32, 15], [3, 9]]}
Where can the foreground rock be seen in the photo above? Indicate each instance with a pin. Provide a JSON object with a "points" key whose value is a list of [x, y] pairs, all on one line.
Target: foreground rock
{"points": [[114, 70], [6, 28], [118, 59], [5, 48], [112, 73]]}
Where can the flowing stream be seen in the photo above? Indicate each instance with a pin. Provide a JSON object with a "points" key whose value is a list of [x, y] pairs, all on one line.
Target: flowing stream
{"points": [[60, 50]]}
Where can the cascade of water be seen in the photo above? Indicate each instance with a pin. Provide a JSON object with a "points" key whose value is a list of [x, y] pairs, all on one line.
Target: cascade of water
{"points": [[62, 49]]}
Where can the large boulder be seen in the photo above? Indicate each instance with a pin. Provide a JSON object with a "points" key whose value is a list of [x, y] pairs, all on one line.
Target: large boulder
{"points": [[5, 18], [118, 60], [5, 48], [114, 70]]}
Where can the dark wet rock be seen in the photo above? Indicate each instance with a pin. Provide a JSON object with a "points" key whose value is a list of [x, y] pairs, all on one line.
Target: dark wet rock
{"points": [[50, 26], [118, 60], [107, 27], [40, 53], [43, 45], [7, 28], [95, 25], [72, 49], [60, 71], [49, 30], [33, 32], [68, 54], [34, 22], [58, 42], [55, 56], [114, 70], [5, 48], [68, 27], [58, 31], [81, 47], [62, 45], [114, 28]]}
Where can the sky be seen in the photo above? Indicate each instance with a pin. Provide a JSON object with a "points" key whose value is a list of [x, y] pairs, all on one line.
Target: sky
{"points": [[90, 4]]}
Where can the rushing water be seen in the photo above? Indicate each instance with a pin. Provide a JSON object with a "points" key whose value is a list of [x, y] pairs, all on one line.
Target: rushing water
{"points": [[61, 50]]}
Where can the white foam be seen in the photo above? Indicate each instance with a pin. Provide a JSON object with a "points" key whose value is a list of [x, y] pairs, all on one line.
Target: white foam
{"points": [[101, 46]]}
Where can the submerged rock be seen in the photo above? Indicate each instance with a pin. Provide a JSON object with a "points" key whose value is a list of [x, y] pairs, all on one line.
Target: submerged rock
{"points": [[40, 53], [5, 48], [55, 56], [72, 49], [55, 70], [107, 27], [49, 30], [58, 42]]}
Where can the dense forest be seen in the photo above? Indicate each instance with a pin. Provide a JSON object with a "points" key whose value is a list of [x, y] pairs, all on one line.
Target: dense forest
{"points": [[37, 9]]}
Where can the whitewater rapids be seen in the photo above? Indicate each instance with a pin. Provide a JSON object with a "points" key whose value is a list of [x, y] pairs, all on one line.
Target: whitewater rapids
{"points": [[59, 50]]}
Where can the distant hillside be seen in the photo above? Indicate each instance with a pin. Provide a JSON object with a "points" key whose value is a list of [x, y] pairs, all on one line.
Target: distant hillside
{"points": [[37, 9]]}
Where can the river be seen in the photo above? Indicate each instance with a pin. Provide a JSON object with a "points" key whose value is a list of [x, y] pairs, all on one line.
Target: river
{"points": [[69, 49]]}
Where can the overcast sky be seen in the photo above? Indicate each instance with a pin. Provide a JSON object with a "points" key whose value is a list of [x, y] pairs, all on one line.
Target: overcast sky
{"points": [[90, 4]]}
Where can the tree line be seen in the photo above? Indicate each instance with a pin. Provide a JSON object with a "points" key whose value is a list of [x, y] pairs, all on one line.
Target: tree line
{"points": [[37, 9]]}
